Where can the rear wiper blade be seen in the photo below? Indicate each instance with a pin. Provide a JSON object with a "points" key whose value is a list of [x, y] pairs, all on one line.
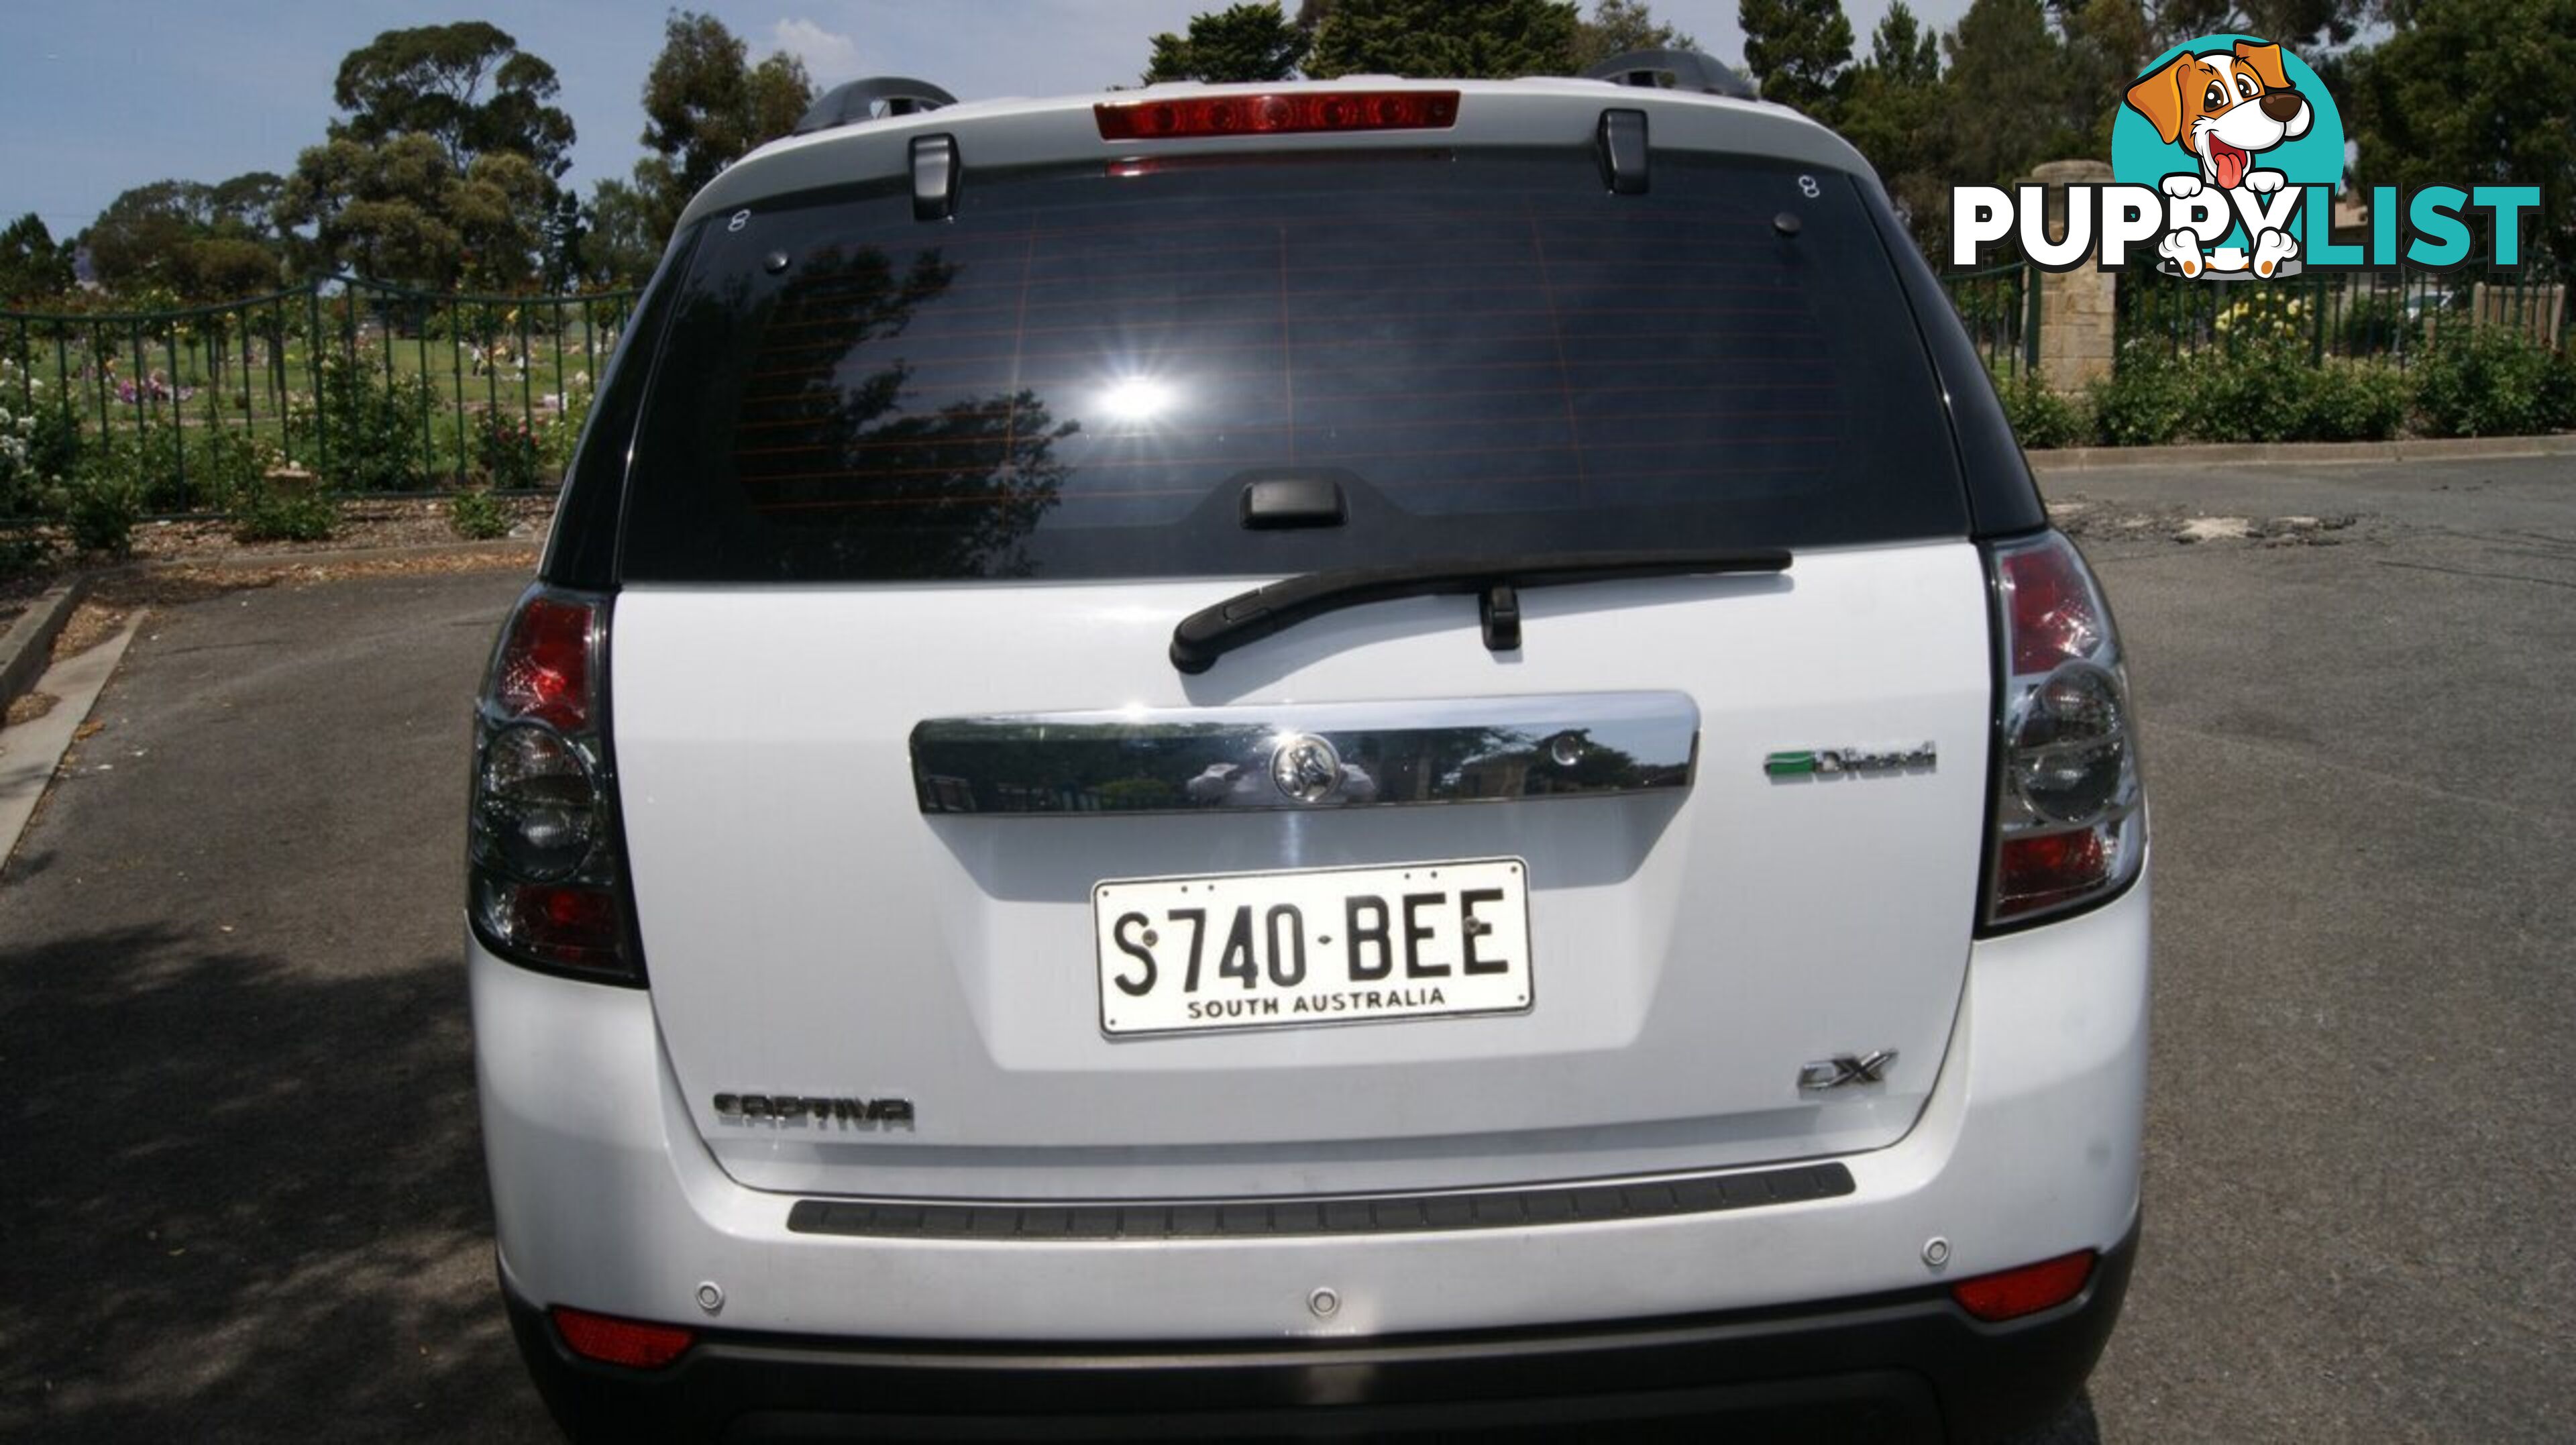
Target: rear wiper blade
{"points": [[1211, 632]]}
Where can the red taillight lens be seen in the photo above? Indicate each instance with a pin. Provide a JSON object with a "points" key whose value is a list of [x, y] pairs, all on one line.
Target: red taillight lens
{"points": [[543, 673], [2013, 1293], [2068, 825], [1331, 110], [612, 1341], [2049, 606], [547, 886]]}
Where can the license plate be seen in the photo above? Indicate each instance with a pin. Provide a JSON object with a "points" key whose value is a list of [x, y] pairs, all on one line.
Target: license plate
{"points": [[1323, 946]]}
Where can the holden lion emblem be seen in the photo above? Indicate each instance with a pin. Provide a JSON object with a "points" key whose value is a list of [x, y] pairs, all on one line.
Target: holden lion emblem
{"points": [[1306, 768]]}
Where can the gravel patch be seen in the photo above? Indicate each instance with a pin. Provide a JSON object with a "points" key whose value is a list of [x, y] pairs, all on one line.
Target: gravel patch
{"points": [[405, 522], [2086, 519]]}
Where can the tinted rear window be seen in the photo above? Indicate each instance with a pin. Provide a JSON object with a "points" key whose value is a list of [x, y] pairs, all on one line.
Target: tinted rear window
{"points": [[1078, 376]]}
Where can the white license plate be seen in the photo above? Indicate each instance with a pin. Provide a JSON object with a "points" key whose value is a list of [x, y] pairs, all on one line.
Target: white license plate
{"points": [[1325, 946]]}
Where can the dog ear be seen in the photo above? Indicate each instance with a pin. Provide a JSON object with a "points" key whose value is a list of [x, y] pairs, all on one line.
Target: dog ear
{"points": [[2266, 60], [2158, 96]]}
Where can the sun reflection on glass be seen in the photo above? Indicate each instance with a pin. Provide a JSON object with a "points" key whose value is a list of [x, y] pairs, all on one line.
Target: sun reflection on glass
{"points": [[1136, 400]]}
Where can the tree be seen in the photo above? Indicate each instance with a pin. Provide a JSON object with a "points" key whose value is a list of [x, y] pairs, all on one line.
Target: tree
{"points": [[1795, 49], [220, 268], [33, 266], [1902, 52], [2007, 99], [403, 210], [1891, 109], [441, 168], [1466, 39], [2106, 44], [567, 237], [2473, 93], [1239, 43], [200, 242], [1619, 26], [2297, 24], [706, 106], [246, 205], [431, 81], [622, 245], [136, 238]]}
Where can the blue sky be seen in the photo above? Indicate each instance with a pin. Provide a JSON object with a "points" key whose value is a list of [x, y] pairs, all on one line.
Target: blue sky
{"points": [[94, 99]]}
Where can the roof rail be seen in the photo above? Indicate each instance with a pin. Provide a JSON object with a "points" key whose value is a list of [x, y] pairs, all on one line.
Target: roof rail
{"points": [[859, 100], [1689, 70]]}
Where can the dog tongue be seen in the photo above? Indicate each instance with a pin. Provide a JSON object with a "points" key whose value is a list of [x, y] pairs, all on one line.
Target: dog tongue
{"points": [[2230, 163]]}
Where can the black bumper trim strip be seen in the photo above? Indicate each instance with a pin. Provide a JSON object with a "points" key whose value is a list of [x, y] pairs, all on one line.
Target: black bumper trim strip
{"points": [[1591, 1203], [1903, 1366]]}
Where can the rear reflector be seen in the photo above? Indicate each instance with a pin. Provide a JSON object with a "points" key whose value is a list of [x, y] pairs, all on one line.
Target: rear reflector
{"points": [[2052, 868], [1995, 1298], [1338, 110], [563, 925], [610, 1341]]}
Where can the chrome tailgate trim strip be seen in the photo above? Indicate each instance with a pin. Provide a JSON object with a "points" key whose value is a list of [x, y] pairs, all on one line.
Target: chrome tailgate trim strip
{"points": [[1309, 755]]}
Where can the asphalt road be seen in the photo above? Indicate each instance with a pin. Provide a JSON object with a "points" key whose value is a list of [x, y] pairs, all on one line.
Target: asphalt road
{"points": [[242, 1194]]}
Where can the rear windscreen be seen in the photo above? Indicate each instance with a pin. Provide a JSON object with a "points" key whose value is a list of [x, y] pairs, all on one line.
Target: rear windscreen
{"points": [[1485, 353]]}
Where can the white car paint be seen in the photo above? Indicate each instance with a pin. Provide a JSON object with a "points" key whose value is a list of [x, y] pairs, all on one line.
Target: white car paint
{"points": [[2029, 1147], [807, 928]]}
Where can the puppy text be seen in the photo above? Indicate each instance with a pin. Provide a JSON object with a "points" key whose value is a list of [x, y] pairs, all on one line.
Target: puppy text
{"points": [[2433, 228]]}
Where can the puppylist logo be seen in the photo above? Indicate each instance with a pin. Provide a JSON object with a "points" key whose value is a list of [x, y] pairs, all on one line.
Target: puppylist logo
{"points": [[2227, 153]]}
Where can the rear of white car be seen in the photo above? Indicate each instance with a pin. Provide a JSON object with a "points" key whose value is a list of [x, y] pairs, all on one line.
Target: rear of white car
{"points": [[1373, 757]]}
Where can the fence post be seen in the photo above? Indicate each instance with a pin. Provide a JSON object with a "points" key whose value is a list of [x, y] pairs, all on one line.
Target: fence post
{"points": [[428, 389], [178, 414], [313, 344], [2074, 314], [456, 366], [2030, 321], [142, 370], [2317, 303]]}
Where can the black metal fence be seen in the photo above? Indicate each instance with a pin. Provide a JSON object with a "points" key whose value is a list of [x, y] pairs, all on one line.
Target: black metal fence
{"points": [[2390, 316], [378, 388], [369, 386], [2000, 306]]}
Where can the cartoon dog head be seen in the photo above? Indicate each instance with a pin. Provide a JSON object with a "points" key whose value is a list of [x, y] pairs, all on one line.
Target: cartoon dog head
{"points": [[2224, 107]]}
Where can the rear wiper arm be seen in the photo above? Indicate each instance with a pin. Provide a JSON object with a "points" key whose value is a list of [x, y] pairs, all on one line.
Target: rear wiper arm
{"points": [[1211, 632]]}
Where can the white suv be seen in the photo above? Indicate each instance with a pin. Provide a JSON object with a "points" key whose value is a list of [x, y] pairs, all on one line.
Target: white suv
{"points": [[1339, 758]]}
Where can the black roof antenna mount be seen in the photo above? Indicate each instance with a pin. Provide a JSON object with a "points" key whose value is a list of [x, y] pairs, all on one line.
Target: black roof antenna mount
{"points": [[874, 98], [1689, 69]]}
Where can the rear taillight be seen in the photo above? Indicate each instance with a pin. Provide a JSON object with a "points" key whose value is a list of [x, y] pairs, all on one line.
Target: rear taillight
{"points": [[1287, 114], [2069, 828], [545, 885]]}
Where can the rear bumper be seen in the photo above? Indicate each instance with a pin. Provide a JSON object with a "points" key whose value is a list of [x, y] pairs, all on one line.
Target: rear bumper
{"points": [[2028, 1148], [1895, 1367]]}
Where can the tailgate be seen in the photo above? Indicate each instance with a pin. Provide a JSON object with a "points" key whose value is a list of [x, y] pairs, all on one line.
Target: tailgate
{"points": [[823, 922]]}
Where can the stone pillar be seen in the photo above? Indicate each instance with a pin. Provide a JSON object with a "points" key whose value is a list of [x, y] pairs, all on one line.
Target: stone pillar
{"points": [[2078, 325]]}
